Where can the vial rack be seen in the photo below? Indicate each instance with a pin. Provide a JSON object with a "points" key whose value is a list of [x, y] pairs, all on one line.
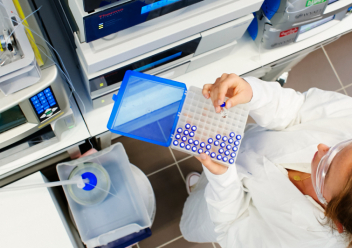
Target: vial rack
{"points": [[211, 128]]}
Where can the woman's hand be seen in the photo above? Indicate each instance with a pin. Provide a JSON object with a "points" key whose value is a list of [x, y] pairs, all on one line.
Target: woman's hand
{"points": [[215, 168], [228, 85]]}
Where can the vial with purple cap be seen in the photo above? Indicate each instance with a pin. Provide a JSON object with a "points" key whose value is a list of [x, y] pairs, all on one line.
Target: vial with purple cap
{"points": [[194, 148], [237, 143], [179, 130], [228, 147], [200, 150], [187, 126], [202, 144], [231, 161], [225, 159], [184, 138], [210, 140], [213, 155], [175, 143], [177, 136], [216, 143], [219, 157], [182, 145], [233, 155], [208, 147], [227, 153], [194, 128], [207, 152], [222, 144], [190, 141], [238, 137], [232, 134], [191, 134], [224, 138], [218, 136], [186, 132], [235, 148], [221, 150], [230, 140], [196, 142], [188, 147]]}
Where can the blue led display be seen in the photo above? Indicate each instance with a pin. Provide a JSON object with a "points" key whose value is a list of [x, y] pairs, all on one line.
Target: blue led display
{"points": [[157, 5], [143, 68]]}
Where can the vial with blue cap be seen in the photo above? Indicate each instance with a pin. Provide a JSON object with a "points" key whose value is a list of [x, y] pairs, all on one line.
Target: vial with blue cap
{"points": [[210, 140], [194, 148], [224, 138], [233, 155], [187, 126], [190, 141], [188, 147], [213, 155], [191, 134], [182, 145], [224, 111], [175, 143], [235, 148], [221, 150], [186, 132], [177, 136], [216, 143], [200, 151], [208, 147], [196, 142], [222, 144], [237, 143], [218, 136], [225, 159], [179, 130], [207, 152], [194, 128], [232, 134], [238, 137], [231, 161], [230, 140], [202, 144], [228, 147], [184, 138], [227, 153], [219, 157]]}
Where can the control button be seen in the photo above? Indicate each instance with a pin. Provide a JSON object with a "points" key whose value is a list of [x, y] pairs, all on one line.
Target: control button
{"points": [[44, 102], [45, 106], [38, 105], [40, 94], [50, 98], [47, 90], [34, 98], [42, 98], [48, 94], [52, 103], [40, 111], [36, 102], [54, 109], [43, 116]]}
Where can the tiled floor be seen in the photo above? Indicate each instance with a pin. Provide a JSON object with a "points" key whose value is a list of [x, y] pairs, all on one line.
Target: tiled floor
{"points": [[328, 68]]}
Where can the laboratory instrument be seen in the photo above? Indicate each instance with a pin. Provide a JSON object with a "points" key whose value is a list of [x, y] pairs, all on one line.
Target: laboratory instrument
{"points": [[34, 117], [121, 15], [18, 65], [169, 62], [152, 109], [111, 209]]}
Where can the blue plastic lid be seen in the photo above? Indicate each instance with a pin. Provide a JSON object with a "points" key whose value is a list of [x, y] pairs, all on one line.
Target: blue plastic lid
{"points": [[147, 107]]}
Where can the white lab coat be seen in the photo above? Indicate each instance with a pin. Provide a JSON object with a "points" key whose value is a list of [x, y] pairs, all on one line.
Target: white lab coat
{"points": [[254, 204]]}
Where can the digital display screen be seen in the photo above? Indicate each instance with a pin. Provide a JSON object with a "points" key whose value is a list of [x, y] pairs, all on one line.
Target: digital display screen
{"points": [[157, 5], [332, 1], [11, 118], [310, 26], [151, 65]]}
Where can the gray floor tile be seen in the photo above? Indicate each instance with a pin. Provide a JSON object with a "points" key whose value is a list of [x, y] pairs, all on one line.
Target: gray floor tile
{"points": [[313, 71], [171, 194], [180, 155], [250, 120], [217, 245], [148, 157], [341, 91], [340, 54], [349, 90], [190, 165], [185, 244]]}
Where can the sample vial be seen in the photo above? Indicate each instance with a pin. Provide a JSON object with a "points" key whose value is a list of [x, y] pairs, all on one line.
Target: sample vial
{"points": [[177, 136], [186, 132], [175, 143], [216, 143], [218, 136], [187, 126], [182, 145], [238, 137], [188, 147], [237, 143], [224, 159], [207, 152], [219, 157], [179, 130], [224, 138], [235, 148], [213, 155], [202, 144], [221, 150], [184, 138], [208, 147], [194, 128], [227, 153], [230, 140], [222, 144], [190, 141], [210, 140], [200, 151], [233, 155], [231, 161], [194, 148], [191, 134], [228, 147], [224, 112], [196, 142], [232, 134]]}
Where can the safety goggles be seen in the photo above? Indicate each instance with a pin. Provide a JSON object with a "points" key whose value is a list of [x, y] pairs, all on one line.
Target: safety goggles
{"points": [[323, 168]]}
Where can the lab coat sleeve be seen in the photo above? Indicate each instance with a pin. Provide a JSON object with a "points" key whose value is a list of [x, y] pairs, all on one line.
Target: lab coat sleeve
{"points": [[277, 108], [227, 201]]}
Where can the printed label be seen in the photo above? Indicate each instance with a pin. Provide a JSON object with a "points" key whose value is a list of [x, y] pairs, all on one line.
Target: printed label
{"points": [[314, 2], [288, 32]]}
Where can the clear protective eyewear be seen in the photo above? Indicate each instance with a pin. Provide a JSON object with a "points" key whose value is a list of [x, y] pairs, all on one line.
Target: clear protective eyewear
{"points": [[323, 168]]}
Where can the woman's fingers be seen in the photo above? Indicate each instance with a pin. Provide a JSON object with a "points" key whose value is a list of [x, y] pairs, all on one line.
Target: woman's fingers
{"points": [[206, 89], [216, 169]]}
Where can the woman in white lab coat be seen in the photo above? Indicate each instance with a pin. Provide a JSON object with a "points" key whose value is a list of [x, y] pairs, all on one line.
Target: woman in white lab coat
{"points": [[283, 190]]}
